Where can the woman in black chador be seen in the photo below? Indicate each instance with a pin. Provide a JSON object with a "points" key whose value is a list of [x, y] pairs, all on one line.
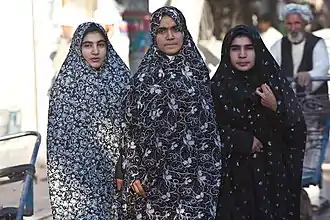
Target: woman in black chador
{"points": [[262, 125]]}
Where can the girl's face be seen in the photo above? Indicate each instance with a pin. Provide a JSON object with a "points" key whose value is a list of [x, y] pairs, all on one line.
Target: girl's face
{"points": [[169, 39], [94, 49], [242, 53]]}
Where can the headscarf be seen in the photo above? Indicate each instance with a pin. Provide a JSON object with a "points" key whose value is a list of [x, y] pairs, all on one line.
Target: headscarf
{"points": [[266, 70], [232, 90], [189, 51], [172, 132], [303, 10], [83, 139]]}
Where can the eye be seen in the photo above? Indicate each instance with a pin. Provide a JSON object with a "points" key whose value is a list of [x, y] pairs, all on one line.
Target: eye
{"points": [[87, 45], [250, 47], [176, 29], [161, 30], [102, 45]]}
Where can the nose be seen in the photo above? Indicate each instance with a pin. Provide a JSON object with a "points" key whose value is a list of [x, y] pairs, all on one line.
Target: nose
{"points": [[242, 53], [95, 50], [295, 27], [170, 35]]}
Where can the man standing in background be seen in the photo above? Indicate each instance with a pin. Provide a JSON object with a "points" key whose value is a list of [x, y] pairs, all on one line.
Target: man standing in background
{"points": [[303, 55]]}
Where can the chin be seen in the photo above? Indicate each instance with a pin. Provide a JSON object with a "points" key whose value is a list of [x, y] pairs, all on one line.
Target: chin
{"points": [[296, 39], [172, 52], [246, 68], [96, 66]]}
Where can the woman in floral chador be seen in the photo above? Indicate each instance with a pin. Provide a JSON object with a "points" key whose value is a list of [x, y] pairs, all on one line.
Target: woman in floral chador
{"points": [[83, 139], [173, 155]]}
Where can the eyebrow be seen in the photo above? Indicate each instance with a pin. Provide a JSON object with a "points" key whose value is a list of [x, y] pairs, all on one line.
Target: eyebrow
{"points": [[244, 45], [164, 28], [90, 42]]}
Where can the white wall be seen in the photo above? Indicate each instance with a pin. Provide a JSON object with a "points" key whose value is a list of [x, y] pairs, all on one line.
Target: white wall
{"points": [[17, 75], [155, 4]]}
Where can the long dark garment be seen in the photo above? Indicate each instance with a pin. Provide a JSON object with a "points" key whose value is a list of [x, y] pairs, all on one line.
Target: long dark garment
{"points": [[263, 185], [174, 145], [84, 135]]}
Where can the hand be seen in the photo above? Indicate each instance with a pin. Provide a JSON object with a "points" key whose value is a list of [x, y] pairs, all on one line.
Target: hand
{"points": [[257, 145], [267, 97], [119, 184], [137, 187], [303, 78]]}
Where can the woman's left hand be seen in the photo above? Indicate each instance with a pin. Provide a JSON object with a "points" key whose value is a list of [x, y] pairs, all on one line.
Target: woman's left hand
{"points": [[268, 99]]}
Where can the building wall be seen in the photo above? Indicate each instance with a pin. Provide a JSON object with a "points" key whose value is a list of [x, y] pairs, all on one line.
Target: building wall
{"points": [[17, 76]]}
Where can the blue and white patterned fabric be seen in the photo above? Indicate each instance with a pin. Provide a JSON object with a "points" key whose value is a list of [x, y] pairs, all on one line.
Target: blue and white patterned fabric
{"points": [[83, 139]]}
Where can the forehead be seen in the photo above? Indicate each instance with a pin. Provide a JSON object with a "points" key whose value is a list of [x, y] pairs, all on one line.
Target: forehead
{"points": [[94, 36], [167, 21], [241, 41], [293, 18]]}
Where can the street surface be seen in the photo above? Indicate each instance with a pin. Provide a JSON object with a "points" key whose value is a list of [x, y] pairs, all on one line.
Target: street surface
{"points": [[9, 195]]}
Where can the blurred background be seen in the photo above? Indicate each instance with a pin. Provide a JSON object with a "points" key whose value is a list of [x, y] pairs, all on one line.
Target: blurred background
{"points": [[36, 36]]}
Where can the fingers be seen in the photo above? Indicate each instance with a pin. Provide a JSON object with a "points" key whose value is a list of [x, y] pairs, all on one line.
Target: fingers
{"points": [[119, 184], [268, 89], [306, 79], [260, 93], [138, 188], [300, 80], [264, 87], [266, 103], [257, 145], [255, 149], [303, 79], [135, 188], [264, 91], [268, 98]]}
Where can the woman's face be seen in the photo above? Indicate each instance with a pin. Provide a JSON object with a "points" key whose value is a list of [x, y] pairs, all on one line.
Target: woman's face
{"points": [[242, 53], [169, 39], [94, 49]]}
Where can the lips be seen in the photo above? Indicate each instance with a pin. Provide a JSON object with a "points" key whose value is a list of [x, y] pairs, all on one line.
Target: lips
{"points": [[243, 63], [170, 45], [95, 60]]}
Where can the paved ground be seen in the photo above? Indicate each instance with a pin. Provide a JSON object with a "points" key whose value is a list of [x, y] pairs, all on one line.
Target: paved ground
{"points": [[9, 195]]}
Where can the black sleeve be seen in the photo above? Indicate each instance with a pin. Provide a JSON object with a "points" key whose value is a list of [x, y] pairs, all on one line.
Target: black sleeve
{"points": [[242, 142], [119, 174], [239, 141]]}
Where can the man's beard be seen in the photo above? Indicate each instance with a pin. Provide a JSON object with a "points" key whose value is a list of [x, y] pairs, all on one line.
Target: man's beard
{"points": [[296, 37]]}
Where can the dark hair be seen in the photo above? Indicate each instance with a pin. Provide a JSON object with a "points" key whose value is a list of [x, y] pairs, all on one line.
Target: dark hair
{"points": [[94, 28], [265, 18]]}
